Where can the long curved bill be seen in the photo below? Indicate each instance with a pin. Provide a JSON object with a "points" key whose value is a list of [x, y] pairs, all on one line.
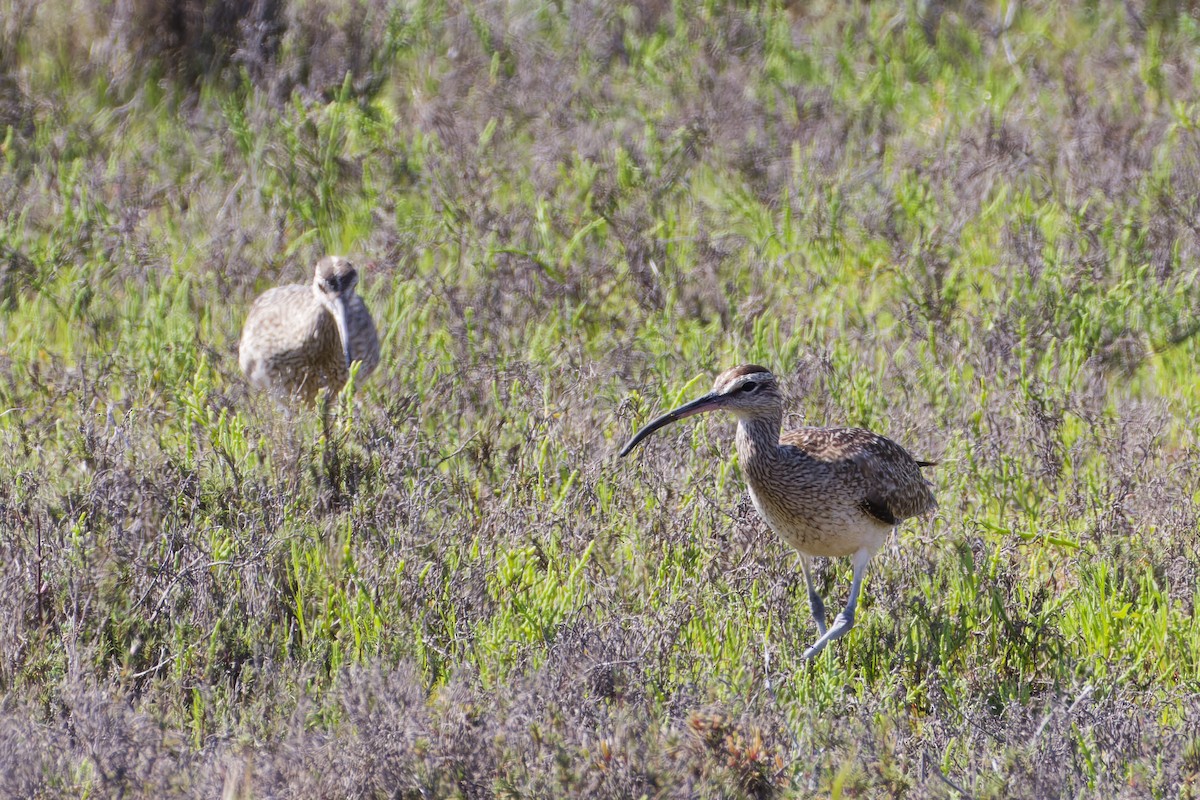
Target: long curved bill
{"points": [[339, 317], [697, 406]]}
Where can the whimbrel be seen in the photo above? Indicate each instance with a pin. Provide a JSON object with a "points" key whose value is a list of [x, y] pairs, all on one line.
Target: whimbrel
{"points": [[300, 339], [825, 491]]}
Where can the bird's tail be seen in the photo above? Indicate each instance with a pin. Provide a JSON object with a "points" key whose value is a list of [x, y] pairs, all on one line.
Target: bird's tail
{"points": [[927, 463]]}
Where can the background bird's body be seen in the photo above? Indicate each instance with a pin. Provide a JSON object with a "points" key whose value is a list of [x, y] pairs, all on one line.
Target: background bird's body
{"points": [[292, 344]]}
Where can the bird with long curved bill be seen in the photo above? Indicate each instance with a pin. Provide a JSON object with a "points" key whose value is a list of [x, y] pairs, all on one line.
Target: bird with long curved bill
{"points": [[825, 491]]}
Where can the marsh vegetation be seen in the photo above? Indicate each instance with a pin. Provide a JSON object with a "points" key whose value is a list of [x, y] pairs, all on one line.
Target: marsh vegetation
{"points": [[969, 226]]}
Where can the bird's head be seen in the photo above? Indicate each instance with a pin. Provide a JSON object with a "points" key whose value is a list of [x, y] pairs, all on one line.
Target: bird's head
{"points": [[333, 283], [747, 390]]}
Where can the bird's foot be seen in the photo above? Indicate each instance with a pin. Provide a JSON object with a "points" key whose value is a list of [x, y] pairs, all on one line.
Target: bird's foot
{"points": [[841, 626], [817, 647]]}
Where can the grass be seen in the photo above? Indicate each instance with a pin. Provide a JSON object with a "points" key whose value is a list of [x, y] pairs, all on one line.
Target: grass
{"points": [[974, 236]]}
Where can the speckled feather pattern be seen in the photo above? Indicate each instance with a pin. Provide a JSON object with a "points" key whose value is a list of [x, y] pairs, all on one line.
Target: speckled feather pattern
{"points": [[832, 491], [825, 491], [290, 344], [892, 481]]}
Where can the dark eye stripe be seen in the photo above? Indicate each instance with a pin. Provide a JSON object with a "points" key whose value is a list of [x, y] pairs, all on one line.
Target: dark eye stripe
{"points": [[337, 283]]}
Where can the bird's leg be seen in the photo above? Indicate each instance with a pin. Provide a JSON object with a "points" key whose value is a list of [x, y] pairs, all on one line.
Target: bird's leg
{"points": [[814, 599], [332, 460], [845, 620]]}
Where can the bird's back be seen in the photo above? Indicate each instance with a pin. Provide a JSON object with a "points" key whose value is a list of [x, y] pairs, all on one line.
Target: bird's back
{"points": [[887, 475]]}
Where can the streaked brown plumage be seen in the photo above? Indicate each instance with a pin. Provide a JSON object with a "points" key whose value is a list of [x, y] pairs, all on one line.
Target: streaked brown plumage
{"points": [[299, 339], [825, 491]]}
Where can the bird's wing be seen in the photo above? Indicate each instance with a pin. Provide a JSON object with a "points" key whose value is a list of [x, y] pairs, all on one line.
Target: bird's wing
{"points": [[893, 488], [364, 338]]}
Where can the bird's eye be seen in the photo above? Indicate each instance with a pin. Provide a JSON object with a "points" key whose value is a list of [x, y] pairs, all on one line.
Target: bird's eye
{"points": [[748, 388]]}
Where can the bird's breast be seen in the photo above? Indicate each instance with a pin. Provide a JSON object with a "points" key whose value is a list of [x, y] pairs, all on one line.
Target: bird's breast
{"points": [[818, 520]]}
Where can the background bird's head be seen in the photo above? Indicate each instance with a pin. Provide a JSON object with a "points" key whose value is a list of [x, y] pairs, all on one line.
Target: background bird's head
{"points": [[333, 285]]}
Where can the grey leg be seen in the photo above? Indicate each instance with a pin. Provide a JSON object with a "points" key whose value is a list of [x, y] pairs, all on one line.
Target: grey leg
{"points": [[845, 620], [814, 599]]}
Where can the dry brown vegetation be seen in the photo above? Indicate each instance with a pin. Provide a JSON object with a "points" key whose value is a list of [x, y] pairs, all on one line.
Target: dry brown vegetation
{"points": [[972, 231]]}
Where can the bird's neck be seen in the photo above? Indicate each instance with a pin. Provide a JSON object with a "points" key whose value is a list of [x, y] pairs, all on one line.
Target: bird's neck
{"points": [[758, 437]]}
